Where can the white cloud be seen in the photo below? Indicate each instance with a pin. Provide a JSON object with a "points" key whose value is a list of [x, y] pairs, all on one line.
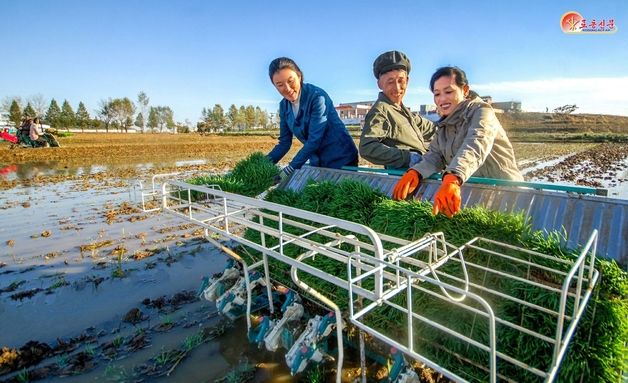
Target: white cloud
{"points": [[606, 95]]}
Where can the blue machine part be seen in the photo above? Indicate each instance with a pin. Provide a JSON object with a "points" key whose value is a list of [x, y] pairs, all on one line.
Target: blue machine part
{"points": [[233, 302], [215, 287], [281, 334], [257, 335], [401, 371], [311, 344]]}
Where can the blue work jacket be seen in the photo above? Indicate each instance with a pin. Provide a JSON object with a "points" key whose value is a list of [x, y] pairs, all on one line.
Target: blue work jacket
{"points": [[326, 141]]}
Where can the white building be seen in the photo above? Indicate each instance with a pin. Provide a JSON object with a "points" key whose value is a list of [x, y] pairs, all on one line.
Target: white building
{"points": [[5, 123], [354, 113]]}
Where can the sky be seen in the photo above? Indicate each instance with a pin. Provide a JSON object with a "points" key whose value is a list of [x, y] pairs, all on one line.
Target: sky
{"points": [[191, 55]]}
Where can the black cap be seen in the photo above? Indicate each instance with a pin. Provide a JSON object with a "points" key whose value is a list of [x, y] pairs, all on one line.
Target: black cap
{"points": [[390, 61]]}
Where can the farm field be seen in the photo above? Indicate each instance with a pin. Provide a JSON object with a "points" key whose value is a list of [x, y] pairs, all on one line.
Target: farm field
{"points": [[99, 290]]}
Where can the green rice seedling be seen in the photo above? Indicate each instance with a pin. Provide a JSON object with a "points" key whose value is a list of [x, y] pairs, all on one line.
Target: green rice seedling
{"points": [[23, 376], [62, 361], [60, 282], [90, 350], [166, 320], [116, 373], [192, 341], [317, 197], [118, 341], [165, 357], [249, 177], [316, 373], [256, 172]]}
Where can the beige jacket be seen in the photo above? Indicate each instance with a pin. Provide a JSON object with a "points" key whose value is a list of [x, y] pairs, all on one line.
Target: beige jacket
{"points": [[391, 132], [471, 142]]}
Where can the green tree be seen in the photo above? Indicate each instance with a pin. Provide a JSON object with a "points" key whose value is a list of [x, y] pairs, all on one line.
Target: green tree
{"points": [[161, 117], [29, 111], [249, 116], [139, 121], [241, 124], [215, 119], [261, 116], [122, 110], [15, 114], [128, 122], [233, 116], [182, 128], [82, 116], [67, 117], [167, 118], [142, 101], [53, 114], [106, 113], [153, 118]]}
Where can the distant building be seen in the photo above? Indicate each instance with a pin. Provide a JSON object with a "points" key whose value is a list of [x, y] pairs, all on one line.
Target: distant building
{"points": [[429, 111], [507, 106], [425, 109], [6, 123], [354, 113]]}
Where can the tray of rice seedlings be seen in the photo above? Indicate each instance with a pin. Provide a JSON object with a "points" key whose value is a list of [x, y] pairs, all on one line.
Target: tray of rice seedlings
{"points": [[249, 177], [595, 353]]}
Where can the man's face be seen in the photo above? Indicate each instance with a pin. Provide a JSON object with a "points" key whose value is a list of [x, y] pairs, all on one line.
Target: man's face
{"points": [[393, 84]]}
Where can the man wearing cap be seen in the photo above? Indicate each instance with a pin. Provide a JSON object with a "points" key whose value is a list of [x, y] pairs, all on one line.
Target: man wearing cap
{"points": [[392, 135]]}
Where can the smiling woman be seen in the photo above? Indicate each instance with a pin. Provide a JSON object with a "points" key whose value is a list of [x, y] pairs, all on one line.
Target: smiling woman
{"points": [[470, 142], [308, 113]]}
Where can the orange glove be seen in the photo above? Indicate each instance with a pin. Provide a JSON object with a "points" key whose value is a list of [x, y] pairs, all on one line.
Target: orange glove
{"points": [[406, 185], [447, 198]]}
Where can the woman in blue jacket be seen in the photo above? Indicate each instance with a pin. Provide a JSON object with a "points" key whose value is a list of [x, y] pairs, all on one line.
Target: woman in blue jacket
{"points": [[308, 113]]}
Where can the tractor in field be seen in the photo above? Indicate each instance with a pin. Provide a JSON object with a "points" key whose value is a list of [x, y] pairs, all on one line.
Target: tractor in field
{"points": [[21, 139]]}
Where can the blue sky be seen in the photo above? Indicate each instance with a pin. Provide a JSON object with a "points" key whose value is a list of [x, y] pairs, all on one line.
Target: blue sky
{"points": [[194, 54]]}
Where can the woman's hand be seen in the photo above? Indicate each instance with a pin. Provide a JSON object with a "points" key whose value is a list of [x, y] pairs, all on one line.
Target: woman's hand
{"points": [[406, 185], [447, 198]]}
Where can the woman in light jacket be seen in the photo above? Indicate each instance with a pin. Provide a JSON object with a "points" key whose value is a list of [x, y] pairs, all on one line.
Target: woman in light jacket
{"points": [[308, 113], [470, 142]]}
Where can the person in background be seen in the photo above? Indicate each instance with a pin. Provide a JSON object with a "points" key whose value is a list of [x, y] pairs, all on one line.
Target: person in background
{"points": [[470, 142], [36, 133], [39, 137], [392, 135], [23, 132], [308, 113]]}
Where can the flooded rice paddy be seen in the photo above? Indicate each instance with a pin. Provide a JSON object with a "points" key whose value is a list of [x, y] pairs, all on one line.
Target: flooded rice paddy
{"points": [[92, 288]]}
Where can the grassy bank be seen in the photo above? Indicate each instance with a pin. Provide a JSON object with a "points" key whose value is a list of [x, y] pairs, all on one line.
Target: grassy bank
{"points": [[531, 126]]}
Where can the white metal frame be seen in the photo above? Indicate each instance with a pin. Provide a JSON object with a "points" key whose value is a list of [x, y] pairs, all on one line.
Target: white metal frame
{"points": [[377, 275]]}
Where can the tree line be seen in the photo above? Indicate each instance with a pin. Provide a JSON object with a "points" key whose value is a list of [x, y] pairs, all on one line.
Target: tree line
{"points": [[123, 113], [235, 119]]}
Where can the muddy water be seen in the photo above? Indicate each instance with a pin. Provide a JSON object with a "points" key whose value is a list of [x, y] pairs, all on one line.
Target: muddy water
{"points": [[32, 170], [70, 256]]}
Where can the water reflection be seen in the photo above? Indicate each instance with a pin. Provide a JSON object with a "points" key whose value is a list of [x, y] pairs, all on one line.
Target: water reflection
{"points": [[11, 172]]}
